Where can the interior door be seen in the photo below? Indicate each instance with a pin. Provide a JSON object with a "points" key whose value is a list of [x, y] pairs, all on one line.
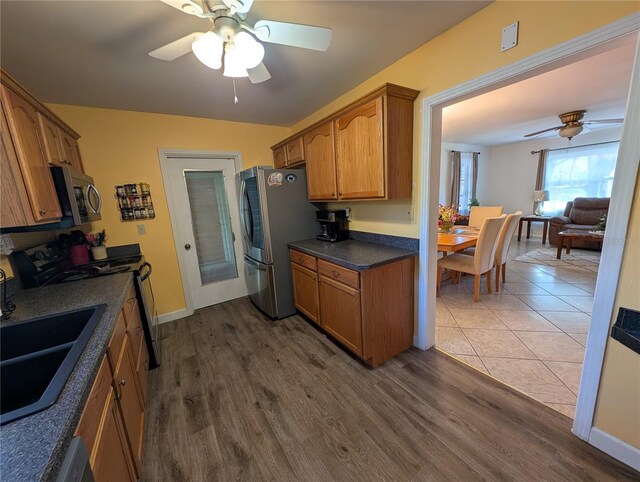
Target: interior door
{"points": [[206, 217]]}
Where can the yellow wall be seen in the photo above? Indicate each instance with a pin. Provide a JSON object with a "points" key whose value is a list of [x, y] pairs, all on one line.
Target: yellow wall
{"points": [[466, 51], [618, 406], [120, 147]]}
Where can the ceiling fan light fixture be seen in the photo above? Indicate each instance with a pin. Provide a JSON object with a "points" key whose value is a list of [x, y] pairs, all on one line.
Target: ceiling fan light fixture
{"points": [[208, 49], [570, 130], [233, 63], [250, 50]]}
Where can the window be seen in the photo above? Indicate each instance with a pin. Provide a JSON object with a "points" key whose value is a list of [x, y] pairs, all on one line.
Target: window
{"points": [[466, 182], [578, 172]]}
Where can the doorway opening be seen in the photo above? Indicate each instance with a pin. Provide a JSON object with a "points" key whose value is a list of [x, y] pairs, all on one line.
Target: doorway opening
{"points": [[576, 49], [530, 331]]}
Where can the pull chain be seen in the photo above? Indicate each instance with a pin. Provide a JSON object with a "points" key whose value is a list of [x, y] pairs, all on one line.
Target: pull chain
{"points": [[235, 94]]}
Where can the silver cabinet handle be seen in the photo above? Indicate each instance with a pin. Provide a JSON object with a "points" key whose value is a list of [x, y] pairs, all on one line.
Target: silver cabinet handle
{"points": [[95, 209]]}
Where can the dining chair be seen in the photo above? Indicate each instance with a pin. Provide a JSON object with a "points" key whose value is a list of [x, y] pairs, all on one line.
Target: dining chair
{"points": [[481, 262], [502, 248], [477, 214]]}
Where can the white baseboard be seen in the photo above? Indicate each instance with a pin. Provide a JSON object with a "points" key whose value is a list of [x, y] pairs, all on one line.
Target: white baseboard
{"points": [[625, 453], [416, 342], [174, 315]]}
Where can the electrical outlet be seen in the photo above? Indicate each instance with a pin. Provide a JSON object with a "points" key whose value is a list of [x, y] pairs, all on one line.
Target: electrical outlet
{"points": [[6, 244], [141, 229]]}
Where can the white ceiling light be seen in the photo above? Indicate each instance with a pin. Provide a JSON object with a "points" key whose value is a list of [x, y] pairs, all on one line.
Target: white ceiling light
{"points": [[250, 50], [570, 130], [233, 62], [208, 50]]}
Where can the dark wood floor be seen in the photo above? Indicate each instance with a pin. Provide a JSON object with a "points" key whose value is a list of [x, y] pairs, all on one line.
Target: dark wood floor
{"points": [[241, 397]]}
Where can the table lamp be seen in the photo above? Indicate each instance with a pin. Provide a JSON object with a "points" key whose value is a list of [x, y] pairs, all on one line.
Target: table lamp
{"points": [[538, 198]]}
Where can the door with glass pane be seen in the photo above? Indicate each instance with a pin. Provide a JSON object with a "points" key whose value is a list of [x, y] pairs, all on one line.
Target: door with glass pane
{"points": [[208, 224]]}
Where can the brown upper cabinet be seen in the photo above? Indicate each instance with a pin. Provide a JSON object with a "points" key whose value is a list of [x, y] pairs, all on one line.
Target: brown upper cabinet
{"points": [[32, 139], [280, 158], [295, 151], [364, 151], [22, 119], [319, 148]]}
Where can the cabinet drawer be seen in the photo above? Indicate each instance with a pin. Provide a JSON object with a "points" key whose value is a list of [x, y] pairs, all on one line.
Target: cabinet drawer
{"points": [[89, 425], [302, 259], [338, 273], [117, 339]]}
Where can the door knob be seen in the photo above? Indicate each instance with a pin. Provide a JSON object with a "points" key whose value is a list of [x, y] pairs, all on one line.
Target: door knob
{"points": [[187, 246]]}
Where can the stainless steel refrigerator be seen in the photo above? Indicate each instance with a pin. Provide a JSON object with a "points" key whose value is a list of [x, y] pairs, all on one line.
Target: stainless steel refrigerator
{"points": [[274, 211]]}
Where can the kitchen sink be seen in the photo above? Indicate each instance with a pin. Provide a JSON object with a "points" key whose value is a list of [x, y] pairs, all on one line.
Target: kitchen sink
{"points": [[37, 356]]}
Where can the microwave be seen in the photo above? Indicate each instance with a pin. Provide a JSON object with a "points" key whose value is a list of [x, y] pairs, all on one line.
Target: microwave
{"points": [[80, 201]]}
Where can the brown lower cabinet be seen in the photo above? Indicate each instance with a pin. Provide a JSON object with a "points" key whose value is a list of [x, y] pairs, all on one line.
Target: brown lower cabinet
{"points": [[111, 425], [369, 312]]}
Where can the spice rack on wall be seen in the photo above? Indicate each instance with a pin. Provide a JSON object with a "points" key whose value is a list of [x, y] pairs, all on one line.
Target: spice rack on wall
{"points": [[134, 202]]}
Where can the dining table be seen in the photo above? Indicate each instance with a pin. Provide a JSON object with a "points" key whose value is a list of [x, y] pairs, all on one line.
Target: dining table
{"points": [[456, 240]]}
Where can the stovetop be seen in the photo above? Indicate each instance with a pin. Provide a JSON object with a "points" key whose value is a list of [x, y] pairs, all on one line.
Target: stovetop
{"points": [[98, 268]]}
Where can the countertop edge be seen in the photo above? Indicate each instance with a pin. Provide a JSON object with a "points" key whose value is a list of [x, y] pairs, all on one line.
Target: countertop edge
{"points": [[355, 266]]}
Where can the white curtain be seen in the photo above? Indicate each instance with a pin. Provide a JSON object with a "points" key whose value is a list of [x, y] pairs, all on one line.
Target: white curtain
{"points": [[585, 171], [467, 178]]}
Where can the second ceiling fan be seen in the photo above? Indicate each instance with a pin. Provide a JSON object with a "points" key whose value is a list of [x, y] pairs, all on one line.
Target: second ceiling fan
{"points": [[235, 44], [573, 124]]}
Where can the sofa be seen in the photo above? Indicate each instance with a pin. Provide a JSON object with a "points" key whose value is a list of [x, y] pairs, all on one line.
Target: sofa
{"points": [[583, 213]]}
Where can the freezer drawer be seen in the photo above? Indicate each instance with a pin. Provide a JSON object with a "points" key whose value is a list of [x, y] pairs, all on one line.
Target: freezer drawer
{"points": [[261, 284]]}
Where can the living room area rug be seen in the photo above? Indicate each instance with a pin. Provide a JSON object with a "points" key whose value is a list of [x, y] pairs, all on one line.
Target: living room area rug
{"points": [[578, 258]]}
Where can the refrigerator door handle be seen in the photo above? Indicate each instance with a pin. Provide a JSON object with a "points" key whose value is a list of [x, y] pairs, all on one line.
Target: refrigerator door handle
{"points": [[246, 221], [255, 264]]}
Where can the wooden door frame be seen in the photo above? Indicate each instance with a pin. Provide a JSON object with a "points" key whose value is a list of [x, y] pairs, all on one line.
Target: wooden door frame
{"points": [[166, 156], [567, 52]]}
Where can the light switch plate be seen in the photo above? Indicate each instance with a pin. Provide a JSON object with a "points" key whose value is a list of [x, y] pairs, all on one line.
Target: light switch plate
{"points": [[141, 229], [509, 37]]}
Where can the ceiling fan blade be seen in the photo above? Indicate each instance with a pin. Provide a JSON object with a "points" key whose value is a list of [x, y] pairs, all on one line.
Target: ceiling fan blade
{"points": [[177, 48], [258, 74], [294, 34], [543, 131], [186, 6], [605, 121], [238, 6]]}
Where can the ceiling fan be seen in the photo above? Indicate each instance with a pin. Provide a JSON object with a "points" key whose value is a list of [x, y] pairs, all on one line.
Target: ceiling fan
{"points": [[233, 41], [573, 124]]}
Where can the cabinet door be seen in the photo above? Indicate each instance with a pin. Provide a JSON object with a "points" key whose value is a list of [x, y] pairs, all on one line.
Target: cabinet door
{"points": [[25, 131], [360, 152], [305, 291], [279, 158], [89, 426], [131, 402], [51, 139], [70, 151], [295, 151], [340, 313], [112, 461], [319, 150]]}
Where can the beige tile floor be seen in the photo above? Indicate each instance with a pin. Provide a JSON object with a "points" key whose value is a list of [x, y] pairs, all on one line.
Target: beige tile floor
{"points": [[531, 335]]}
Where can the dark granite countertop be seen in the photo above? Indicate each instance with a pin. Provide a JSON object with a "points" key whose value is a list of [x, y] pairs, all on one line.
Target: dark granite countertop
{"points": [[353, 254], [33, 448]]}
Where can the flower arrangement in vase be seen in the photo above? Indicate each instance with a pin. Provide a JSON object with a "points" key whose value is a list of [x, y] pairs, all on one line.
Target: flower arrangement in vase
{"points": [[97, 242], [447, 216]]}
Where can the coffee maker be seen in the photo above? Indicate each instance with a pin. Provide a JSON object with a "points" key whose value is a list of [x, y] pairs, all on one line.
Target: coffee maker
{"points": [[333, 225]]}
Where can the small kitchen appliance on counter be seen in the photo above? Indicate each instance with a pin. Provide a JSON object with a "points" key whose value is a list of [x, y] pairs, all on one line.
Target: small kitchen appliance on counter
{"points": [[49, 264], [333, 225]]}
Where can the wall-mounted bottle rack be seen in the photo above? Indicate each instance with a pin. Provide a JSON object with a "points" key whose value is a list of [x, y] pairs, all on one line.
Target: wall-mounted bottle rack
{"points": [[134, 202]]}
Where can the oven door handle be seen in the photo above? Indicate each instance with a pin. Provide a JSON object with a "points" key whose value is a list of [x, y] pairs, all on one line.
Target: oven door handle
{"points": [[90, 188], [144, 277]]}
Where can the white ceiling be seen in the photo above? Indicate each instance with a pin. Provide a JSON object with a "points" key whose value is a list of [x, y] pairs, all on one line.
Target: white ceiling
{"points": [[599, 84], [94, 53]]}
